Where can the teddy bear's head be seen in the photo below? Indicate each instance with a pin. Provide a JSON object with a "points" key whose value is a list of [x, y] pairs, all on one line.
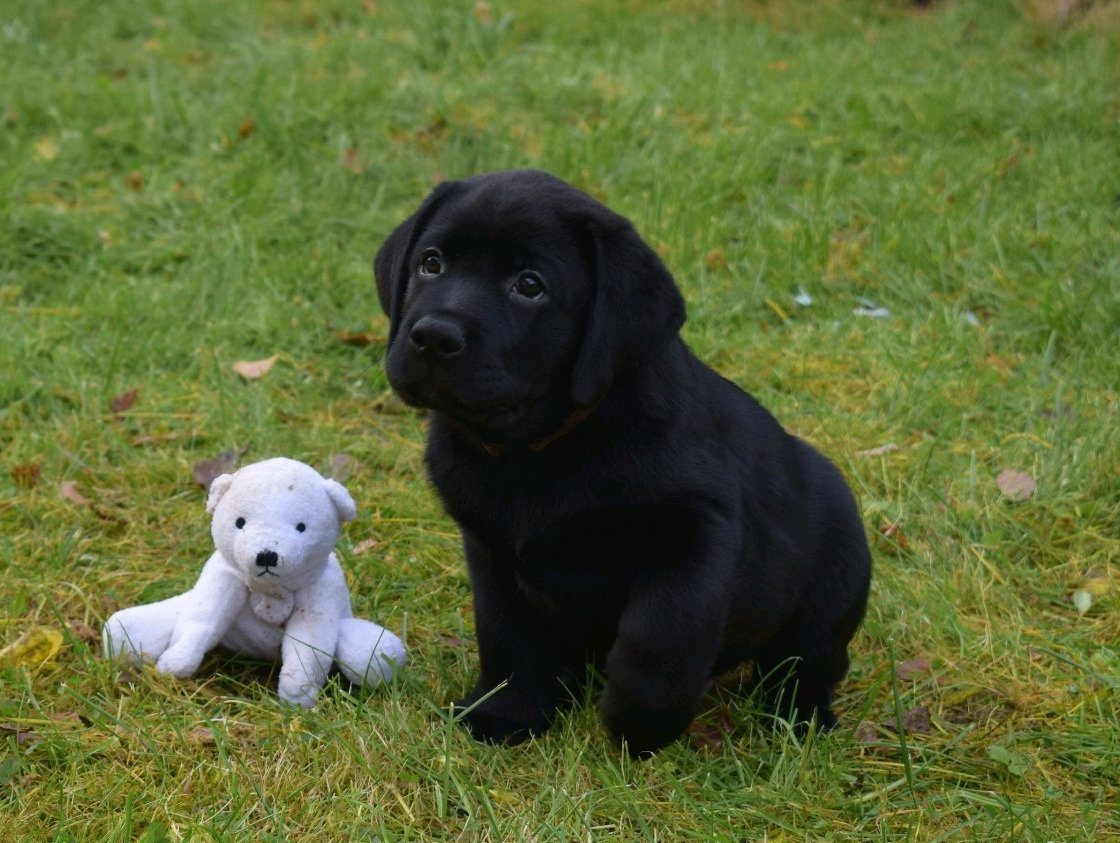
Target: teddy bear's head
{"points": [[277, 521]]}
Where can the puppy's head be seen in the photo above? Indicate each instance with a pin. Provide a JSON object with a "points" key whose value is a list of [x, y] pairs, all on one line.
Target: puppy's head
{"points": [[277, 520], [514, 298]]}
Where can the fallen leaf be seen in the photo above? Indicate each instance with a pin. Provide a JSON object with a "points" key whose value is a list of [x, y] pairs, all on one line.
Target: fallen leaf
{"points": [[26, 475], [716, 260], [364, 546], [69, 490], [1016, 485], [253, 369], [997, 362], [705, 737], [866, 732], [34, 648], [453, 640], [912, 668], [1082, 600], [971, 318], [121, 403], [360, 338], [134, 180], [878, 451], [202, 736], [24, 737], [204, 471], [802, 298], [247, 127], [84, 632], [916, 720], [895, 539], [340, 467], [483, 13], [353, 160], [780, 66]]}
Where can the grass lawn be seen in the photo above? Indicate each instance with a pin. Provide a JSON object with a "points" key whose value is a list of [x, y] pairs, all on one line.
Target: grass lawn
{"points": [[186, 185]]}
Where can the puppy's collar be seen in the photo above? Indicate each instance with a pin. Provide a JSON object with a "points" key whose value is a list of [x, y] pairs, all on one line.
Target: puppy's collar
{"points": [[574, 418]]}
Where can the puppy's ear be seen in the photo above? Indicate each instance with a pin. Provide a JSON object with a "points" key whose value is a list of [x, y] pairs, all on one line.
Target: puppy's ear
{"points": [[390, 268], [343, 504], [637, 308], [218, 487]]}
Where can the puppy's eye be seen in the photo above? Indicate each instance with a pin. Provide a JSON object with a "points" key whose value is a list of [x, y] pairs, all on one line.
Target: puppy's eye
{"points": [[239, 523], [430, 263], [529, 285], [301, 526]]}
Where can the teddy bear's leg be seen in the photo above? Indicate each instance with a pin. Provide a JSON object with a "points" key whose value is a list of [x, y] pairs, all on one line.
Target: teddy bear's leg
{"points": [[367, 653], [142, 632]]}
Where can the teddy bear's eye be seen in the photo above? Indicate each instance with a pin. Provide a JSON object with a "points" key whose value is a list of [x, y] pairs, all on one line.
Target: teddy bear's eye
{"points": [[301, 526], [239, 523]]}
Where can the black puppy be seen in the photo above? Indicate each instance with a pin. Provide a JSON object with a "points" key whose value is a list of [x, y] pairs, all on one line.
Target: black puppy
{"points": [[620, 502]]}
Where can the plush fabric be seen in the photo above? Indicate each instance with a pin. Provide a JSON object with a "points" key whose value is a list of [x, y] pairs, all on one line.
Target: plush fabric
{"points": [[272, 589]]}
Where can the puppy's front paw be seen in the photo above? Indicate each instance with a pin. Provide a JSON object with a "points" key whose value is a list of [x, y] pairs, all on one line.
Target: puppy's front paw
{"points": [[643, 727], [180, 660], [509, 716]]}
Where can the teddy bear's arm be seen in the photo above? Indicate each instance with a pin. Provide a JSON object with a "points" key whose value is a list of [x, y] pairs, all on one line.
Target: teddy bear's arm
{"points": [[209, 610], [310, 638]]}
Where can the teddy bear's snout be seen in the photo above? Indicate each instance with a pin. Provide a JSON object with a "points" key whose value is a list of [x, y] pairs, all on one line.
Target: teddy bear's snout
{"points": [[267, 560]]}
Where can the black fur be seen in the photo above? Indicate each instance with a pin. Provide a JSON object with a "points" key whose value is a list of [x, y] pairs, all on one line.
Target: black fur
{"points": [[674, 532]]}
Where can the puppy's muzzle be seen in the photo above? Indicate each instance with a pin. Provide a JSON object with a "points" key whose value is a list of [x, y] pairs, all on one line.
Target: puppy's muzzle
{"points": [[266, 561], [437, 337]]}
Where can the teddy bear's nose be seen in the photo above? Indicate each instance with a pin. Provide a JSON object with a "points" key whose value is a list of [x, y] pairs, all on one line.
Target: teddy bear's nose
{"points": [[267, 559]]}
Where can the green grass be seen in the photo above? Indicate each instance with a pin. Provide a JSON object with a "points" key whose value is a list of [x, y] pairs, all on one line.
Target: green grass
{"points": [[960, 161]]}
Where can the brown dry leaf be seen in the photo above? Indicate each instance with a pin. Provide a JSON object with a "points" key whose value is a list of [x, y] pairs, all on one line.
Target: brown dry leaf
{"points": [[1016, 485], [705, 737], [124, 401], [69, 490], [912, 668], [34, 648], [915, 721], [84, 632], [253, 369], [247, 127], [201, 736], [22, 736], [134, 180], [894, 540], [716, 260], [360, 338], [997, 362], [866, 732], [204, 471], [483, 13], [453, 640], [26, 475], [364, 546], [353, 160]]}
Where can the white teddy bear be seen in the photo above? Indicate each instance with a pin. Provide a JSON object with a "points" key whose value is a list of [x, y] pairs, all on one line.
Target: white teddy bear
{"points": [[272, 588]]}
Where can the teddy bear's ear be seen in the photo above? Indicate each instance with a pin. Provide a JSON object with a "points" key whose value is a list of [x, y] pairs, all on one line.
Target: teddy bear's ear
{"points": [[218, 487], [343, 503]]}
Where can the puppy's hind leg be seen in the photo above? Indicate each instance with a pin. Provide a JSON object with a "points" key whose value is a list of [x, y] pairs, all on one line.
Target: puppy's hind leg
{"points": [[797, 681]]}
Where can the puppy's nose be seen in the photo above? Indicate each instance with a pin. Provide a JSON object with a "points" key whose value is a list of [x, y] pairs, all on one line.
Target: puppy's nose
{"points": [[437, 336], [267, 559]]}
